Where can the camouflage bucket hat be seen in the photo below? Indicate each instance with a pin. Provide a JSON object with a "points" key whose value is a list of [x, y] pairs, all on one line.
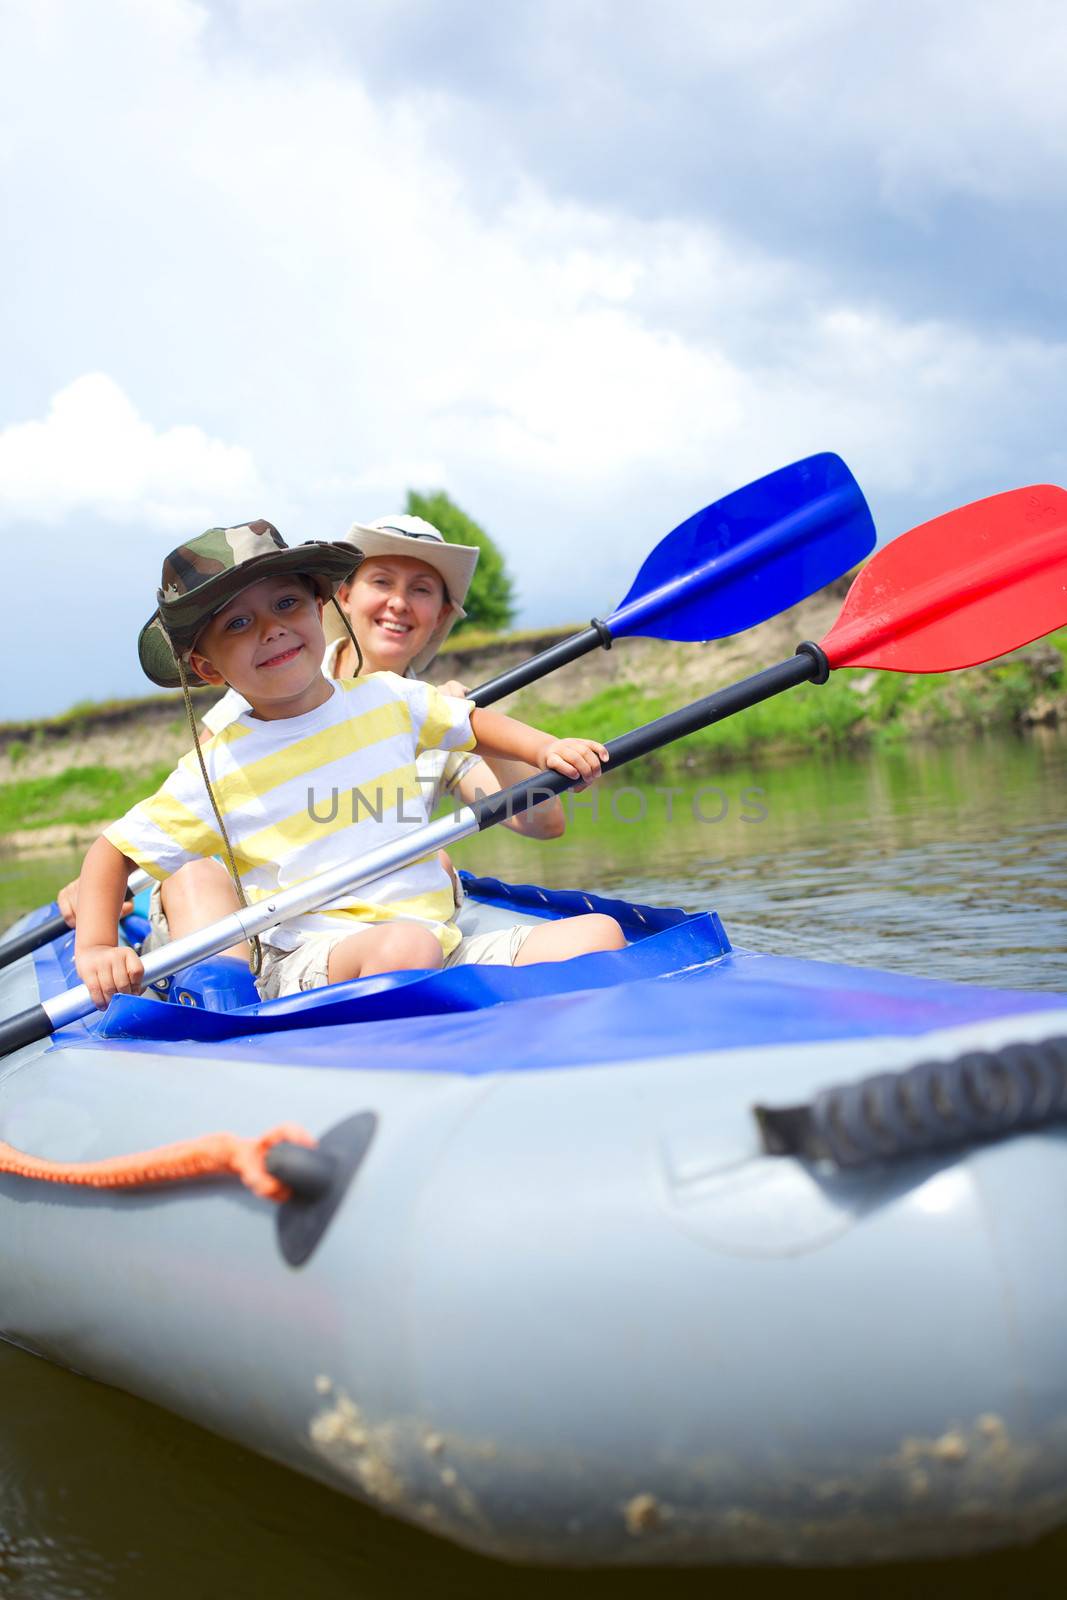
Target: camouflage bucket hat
{"points": [[204, 574]]}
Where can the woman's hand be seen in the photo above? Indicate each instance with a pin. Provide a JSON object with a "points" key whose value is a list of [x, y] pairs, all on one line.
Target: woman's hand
{"points": [[453, 687], [108, 970], [67, 901], [575, 758]]}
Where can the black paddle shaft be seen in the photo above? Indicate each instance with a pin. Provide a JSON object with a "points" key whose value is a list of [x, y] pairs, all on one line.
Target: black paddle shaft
{"points": [[596, 636], [809, 665], [24, 944], [25, 1027]]}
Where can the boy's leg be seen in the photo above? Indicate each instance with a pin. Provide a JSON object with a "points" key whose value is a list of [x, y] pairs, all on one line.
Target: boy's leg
{"points": [[571, 936], [390, 947], [194, 896]]}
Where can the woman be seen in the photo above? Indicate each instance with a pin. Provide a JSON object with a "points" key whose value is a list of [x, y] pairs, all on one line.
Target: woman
{"points": [[401, 603]]}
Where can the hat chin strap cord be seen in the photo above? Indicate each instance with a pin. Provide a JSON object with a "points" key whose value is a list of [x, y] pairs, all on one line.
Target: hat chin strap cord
{"points": [[255, 950], [348, 628]]}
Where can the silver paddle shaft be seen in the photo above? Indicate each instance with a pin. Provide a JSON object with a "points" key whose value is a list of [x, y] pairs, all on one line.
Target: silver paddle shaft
{"points": [[256, 919]]}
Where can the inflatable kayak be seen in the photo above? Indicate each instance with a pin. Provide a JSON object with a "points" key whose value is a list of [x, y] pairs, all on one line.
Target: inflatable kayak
{"points": [[677, 1254]]}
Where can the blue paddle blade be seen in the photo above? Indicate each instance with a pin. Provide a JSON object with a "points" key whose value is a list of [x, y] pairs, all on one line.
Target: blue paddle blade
{"points": [[751, 555]]}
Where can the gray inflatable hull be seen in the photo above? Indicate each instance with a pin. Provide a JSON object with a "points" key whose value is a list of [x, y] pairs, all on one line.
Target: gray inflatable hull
{"points": [[573, 1315]]}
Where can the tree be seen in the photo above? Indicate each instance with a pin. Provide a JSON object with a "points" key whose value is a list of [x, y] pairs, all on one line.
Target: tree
{"points": [[490, 601]]}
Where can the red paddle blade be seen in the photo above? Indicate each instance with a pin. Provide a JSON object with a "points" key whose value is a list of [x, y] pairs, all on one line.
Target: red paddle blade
{"points": [[966, 587]]}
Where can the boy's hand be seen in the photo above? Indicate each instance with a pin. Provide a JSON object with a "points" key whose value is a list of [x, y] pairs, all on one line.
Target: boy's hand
{"points": [[107, 969], [575, 758]]}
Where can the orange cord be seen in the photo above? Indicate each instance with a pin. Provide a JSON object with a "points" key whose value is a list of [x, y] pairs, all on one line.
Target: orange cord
{"points": [[211, 1156]]}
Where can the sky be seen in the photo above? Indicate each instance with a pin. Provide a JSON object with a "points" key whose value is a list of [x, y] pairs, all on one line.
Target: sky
{"points": [[585, 264]]}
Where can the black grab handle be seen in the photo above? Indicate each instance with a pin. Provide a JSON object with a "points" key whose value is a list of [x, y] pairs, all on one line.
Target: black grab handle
{"points": [[936, 1105], [319, 1178]]}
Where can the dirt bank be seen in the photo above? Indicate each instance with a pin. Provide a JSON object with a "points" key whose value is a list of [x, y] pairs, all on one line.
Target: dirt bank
{"points": [[136, 732]]}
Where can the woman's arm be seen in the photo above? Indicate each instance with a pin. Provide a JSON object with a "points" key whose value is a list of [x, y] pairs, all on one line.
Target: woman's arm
{"points": [[546, 821]]}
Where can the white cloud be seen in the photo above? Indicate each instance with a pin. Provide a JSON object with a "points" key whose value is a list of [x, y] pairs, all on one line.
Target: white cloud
{"points": [[303, 267], [94, 453], [282, 265]]}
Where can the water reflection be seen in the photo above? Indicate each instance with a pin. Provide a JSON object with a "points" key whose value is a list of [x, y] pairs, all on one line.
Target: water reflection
{"points": [[946, 860], [103, 1495]]}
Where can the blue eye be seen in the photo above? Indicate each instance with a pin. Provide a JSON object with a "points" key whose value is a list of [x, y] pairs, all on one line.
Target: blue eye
{"points": [[235, 623]]}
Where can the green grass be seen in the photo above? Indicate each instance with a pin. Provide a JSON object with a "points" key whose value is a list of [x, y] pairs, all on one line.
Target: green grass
{"points": [[1058, 641], [80, 795], [800, 719]]}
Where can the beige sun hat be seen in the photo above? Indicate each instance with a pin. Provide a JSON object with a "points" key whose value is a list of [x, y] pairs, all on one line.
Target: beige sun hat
{"points": [[402, 535]]}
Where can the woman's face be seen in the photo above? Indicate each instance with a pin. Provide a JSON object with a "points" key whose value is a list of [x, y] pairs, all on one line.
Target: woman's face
{"points": [[394, 603]]}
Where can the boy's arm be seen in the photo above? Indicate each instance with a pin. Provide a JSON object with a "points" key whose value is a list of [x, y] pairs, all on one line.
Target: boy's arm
{"points": [[497, 735], [67, 898], [67, 901], [105, 967]]}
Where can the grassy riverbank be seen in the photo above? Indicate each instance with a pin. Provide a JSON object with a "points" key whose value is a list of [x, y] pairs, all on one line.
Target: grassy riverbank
{"points": [[62, 776], [78, 796], [854, 708]]}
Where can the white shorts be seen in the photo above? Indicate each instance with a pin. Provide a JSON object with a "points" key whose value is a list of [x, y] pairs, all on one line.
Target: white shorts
{"points": [[158, 931], [292, 971], [497, 949]]}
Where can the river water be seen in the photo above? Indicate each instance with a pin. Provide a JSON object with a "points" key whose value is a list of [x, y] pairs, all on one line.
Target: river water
{"points": [[945, 860]]}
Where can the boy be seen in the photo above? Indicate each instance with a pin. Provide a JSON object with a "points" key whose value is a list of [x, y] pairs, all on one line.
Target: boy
{"points": [[301, 777]]}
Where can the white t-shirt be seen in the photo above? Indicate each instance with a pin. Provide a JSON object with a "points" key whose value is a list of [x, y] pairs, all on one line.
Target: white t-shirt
{"points": [[300, 795], [439, 770]]}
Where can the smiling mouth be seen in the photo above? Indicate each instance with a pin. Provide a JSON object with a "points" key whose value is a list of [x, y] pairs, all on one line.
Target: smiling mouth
{"points": [[282, 660], [397, 629]]}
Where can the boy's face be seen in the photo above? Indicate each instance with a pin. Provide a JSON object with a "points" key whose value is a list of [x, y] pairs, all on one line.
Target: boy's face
{"points": [[267, 643]]}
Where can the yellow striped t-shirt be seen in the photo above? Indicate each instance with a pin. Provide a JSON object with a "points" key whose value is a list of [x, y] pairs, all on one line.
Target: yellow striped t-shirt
{"points": [[302, 794]]}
